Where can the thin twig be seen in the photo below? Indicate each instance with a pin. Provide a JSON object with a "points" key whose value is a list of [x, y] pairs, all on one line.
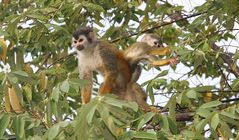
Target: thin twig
{"points": [[224, 76], [61, 59], [213, 91], [156, 27], [230, 100]]}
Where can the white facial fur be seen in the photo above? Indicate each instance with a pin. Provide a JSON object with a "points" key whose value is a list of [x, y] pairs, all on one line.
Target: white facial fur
{"points": [[153, 42], [80, 43]]}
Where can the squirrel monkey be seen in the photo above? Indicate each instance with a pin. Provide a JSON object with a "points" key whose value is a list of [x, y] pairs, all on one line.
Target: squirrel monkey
{"points": [[147, 49], [95, 55]]}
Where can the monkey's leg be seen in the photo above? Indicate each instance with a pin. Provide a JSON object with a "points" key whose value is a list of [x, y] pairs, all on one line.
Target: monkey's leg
{"points": [[159, 51], [87, 89], [141, 98], [164, 62], [86, 95], [107, 86]]}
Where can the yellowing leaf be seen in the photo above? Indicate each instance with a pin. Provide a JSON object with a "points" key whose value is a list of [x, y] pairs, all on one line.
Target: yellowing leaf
{"points": [[27, 68], [14, 101], [207, 97], [7, 101], [42, 83], [3, 46]]}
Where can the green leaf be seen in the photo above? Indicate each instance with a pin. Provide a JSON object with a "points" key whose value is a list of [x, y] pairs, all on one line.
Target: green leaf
{"points": [[230, 115], [200, 126], [76, 82], [149, 89], [109, 121], [4, 121], [36, 16], [93, 7], [163, 73], [203, 88], [112, 101], [165, 123], [13, 79], [226, 130], [55, 94], [90, 115], [173, 127], [198, 21], [1, 50], [145, 135], [172, 107], [133, 105], [211, 104], [230, 23], [54, 108], [147, 117], [235, 84], [21, 73], [19, 124], [53, 132], [192, 94], [28, 92], [21, 127], [215, 121], [65, 86], [203, 112]]}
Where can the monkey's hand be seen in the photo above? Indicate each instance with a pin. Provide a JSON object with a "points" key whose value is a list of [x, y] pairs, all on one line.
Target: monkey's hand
{"points": [[157, 63], [173, 61]]}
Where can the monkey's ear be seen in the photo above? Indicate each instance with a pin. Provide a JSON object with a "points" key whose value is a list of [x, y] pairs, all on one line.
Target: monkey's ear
{"points": [[92, 35], [146, 38]]}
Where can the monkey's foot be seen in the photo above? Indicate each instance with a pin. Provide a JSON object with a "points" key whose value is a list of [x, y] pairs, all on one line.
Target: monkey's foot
{"points": [[154, 109]]}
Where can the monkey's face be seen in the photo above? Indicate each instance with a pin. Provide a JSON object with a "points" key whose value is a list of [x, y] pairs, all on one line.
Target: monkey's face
{"points": [[80, 43], [154, 42]]}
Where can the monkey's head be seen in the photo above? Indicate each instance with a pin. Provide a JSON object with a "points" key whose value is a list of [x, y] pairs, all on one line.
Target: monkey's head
{"points": [[152, 40], [83, 38]]}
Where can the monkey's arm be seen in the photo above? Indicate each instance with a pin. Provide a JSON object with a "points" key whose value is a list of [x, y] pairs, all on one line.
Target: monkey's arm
{"points": [[159, 51], [86, 90], [171, 61]]}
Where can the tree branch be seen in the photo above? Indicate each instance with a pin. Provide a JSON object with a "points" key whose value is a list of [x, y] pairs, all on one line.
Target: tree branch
{"points": [[184, 116], [61, 59], [156, 27], [227, 58]]}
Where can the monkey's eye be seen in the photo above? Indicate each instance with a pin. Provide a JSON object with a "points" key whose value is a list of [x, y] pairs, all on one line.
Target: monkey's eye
{"points": [[80, 40], [75, 42], [155, 43]]}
